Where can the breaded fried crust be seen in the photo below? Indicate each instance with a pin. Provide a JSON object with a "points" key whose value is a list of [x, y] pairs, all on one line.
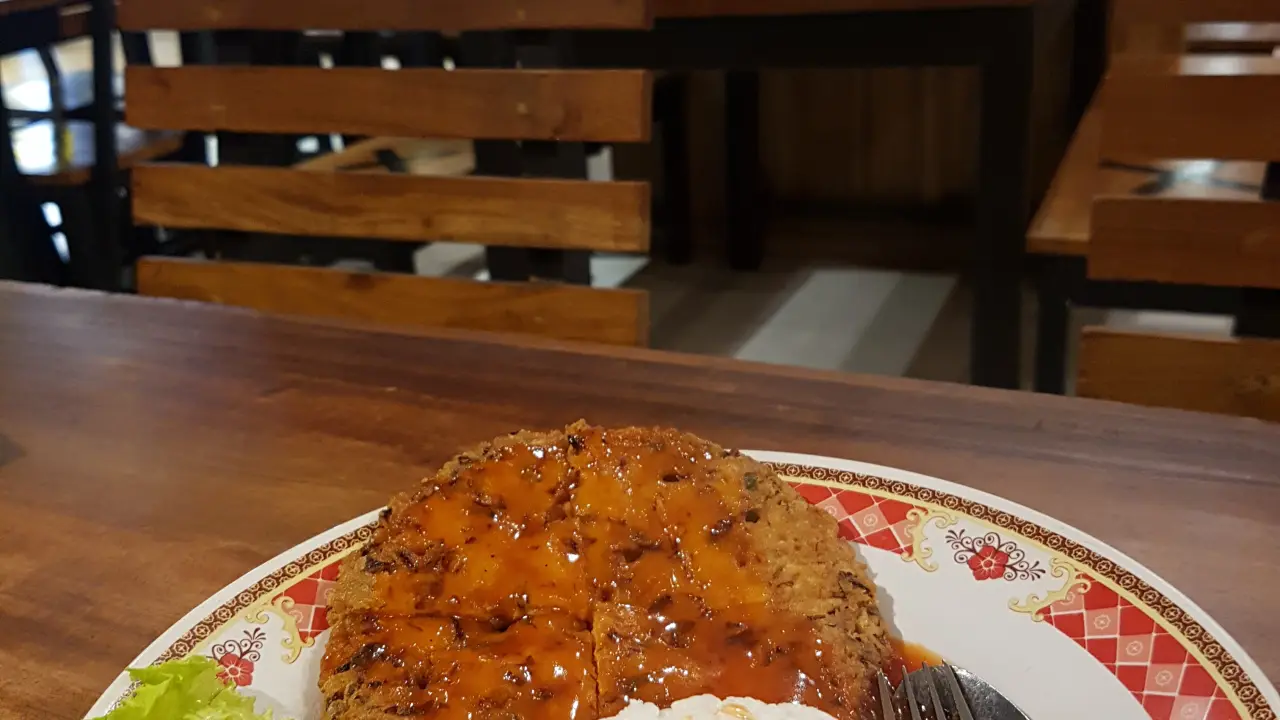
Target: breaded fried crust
{"points": [[561, 575]]}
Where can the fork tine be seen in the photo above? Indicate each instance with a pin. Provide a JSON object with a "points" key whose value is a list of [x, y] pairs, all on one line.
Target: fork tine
{"points": [[957, 695], [912, 703], [938, 711], [886, 699]]}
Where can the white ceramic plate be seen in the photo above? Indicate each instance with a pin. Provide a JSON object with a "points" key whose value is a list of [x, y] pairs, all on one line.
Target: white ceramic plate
{"points": [[1064, 625]]}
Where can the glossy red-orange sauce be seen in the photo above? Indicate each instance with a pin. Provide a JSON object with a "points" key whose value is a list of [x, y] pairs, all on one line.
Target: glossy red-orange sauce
{"points": [[524, 581]]}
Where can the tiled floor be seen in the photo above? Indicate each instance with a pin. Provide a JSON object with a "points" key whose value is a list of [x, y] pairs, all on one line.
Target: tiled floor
{"points": [[797, 310]]}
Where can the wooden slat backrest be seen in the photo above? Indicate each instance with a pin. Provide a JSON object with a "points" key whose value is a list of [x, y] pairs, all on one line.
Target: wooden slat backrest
{"points": [[1228, 376], [566, 312], [565, 214], [478, 104], [383, 14], [1226, 243]]}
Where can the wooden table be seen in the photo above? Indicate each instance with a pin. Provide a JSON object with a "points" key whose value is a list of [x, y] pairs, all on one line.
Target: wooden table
{"points": [[153, 451], [999, 37]]}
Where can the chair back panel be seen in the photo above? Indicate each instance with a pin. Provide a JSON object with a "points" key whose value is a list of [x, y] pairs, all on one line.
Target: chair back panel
{"points": [[556, 214], [1225, 243], [1194, 107], [554, 310], [384, 14], [1226, 376]]}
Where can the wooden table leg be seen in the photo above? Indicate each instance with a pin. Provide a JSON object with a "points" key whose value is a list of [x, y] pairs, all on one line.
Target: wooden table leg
{"points": [[1004, 169]]}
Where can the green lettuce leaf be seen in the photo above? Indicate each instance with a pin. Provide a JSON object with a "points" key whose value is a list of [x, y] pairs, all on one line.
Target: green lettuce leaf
{"points": [[186, 689]]}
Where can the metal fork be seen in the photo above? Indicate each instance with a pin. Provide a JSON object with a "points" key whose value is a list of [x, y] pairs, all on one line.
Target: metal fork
{"points": [[966, 697]]}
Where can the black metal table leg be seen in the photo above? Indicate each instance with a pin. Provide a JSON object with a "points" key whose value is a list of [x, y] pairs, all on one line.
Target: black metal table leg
{"points": [[671, 111], [105, 179], [744, 225], [1004, 163]]}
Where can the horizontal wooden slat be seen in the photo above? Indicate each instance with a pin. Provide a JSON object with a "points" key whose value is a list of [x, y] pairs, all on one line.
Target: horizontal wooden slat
{"points": [[382, 14], [565, 312], [1224, 107], [1193, 11], [568, 214], [1223, 37], [1228, 243], [572, 105], [1228, 376]]}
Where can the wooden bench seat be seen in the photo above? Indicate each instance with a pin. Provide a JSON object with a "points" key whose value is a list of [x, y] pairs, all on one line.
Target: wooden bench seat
{"points": [[63, 154], [1062, 225]]}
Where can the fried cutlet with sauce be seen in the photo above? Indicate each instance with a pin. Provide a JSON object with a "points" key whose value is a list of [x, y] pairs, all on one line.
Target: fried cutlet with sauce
{"points": [[564, 574]]}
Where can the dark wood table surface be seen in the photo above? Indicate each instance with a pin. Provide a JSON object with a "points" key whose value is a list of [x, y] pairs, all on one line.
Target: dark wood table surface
{"points": [[152, 451]]}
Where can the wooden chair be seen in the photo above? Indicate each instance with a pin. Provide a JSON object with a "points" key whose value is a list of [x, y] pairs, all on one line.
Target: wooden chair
{"points": [[538, 107], [1133, 142], [1170, 106]]}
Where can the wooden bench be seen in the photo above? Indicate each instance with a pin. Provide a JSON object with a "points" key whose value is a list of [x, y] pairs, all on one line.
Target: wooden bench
{"points": [[346, 195]]}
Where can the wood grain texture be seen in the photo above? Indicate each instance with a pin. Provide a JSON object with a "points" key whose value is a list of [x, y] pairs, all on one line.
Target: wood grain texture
{"points": [[554, 310], [569, 214], [571, 105], [1194, 242], [383, 14], [1063, 224], [1194, 11], [162, 449], [1217, 375], [1203, 106]]}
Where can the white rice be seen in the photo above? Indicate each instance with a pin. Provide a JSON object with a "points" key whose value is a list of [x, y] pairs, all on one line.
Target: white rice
{"points": [[710, 707]]}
